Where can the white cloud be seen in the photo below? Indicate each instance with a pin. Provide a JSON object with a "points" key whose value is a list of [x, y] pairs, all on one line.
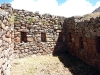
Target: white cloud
{"points": [[69, 8]]}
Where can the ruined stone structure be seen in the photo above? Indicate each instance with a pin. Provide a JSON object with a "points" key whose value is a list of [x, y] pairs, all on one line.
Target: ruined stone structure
{"points": [[83, 39], [35, 33], [24, 33], [6, 42]]}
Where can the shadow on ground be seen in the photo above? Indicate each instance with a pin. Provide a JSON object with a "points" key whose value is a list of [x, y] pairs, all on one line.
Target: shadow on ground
{"points": [[75, 66]]}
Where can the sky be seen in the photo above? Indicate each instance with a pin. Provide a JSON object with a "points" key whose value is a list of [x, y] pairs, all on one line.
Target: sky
{"points": [[65, 8]]}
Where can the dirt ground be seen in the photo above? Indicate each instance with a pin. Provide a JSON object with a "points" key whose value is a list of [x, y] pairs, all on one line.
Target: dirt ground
{"points": [[51, 65]]}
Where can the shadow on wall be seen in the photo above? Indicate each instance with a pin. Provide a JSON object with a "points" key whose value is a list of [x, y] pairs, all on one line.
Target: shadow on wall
{"points": [[75, 66]]}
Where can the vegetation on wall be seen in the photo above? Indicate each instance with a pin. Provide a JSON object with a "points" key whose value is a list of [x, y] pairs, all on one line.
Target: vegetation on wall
{"points": [[31, 20], [17, 18], [12, 19]]}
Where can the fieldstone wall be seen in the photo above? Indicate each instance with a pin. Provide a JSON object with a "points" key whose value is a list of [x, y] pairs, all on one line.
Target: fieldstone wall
{"points": [[25, 33], [82, 39], [6, 41], [35, 33]]}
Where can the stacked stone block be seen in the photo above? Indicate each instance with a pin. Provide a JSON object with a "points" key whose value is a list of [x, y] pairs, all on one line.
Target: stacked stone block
{"points": [[81, 39], [34, 25], [25, 33], [6, 42]]}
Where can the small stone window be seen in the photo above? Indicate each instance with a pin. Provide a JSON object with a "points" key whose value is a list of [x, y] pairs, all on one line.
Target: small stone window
{"points": [[70, 37], [23, 37], [60, 38], [81, 43], [43, 37], [98, 44]]}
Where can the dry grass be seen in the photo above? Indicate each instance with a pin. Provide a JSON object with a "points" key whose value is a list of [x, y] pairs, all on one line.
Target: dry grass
{"points": [[91, 15], [49, 65], [38, 65]]}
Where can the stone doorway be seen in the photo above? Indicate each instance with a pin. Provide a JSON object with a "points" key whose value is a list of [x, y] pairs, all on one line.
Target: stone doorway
{"points": [[81, 43], [98, 44]]}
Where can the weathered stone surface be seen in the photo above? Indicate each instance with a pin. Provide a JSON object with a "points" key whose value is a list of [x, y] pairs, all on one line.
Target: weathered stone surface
{"points": [[1, 62], [8, 35], [24, 36], [6, 48], [3, 26], [29, 39], [17, 39], [0, 42], [84, 39]]}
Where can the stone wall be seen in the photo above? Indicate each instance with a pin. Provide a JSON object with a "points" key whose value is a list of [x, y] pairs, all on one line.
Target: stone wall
{"points": [[82, 39], [6, 42], [35, 33], [25, 33]]}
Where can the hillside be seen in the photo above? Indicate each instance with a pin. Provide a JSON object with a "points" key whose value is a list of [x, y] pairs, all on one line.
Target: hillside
{"points": [[97, 10], [91, 15]]}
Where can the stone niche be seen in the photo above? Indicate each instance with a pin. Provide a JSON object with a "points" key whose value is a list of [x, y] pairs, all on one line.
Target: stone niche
{"points": [[43, 37], [98, 44], [81, 43], [83, 39], [23, 37], [60, 37]]}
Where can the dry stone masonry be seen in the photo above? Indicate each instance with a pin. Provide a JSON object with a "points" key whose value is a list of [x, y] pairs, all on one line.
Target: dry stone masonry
{"points": [[35, 33], [24, 33], [83, 39], [6, 42]]}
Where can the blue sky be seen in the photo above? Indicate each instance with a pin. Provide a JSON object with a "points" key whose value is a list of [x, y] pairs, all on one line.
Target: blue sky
{"points": [[1, 1], [59, 1], [66, 8], [93, 1]]}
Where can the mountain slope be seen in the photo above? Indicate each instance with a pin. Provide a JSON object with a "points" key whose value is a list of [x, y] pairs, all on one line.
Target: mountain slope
{"points": [[91, 15], [97, 10]]}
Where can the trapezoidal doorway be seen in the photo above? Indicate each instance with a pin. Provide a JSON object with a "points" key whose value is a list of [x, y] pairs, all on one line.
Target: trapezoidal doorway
{"points": [[43, 37], [23, 37], [98, 44]]}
